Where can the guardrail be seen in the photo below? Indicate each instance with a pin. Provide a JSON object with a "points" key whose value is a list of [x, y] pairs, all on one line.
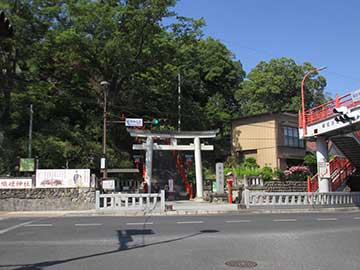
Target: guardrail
{"points": [[300, 199], [130, 201]]}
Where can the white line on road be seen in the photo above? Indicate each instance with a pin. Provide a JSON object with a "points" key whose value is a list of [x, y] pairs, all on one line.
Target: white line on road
{"points": [[38, 225], [356, 217], [285, 220], [190, 222], [15, 227], [88, 224], [326, 219], [238, 221], [140, 223]]}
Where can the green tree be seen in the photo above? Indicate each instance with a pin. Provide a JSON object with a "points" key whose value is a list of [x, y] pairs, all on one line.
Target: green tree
{"points": [[65, 48], [276, 86]]}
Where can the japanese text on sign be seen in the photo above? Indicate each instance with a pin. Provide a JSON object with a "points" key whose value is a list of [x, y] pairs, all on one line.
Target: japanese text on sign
{"points": [[15, 183]]}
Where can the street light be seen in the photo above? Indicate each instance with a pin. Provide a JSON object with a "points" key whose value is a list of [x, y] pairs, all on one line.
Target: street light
{"points": [[302, 95], [103, 165]]}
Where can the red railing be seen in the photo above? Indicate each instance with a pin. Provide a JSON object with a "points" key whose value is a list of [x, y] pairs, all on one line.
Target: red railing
{"points": [[325, 110], [341, 175], [340, 169]]}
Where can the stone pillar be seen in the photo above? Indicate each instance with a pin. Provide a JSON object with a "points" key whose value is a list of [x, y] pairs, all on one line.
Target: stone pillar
{"points": [[322, 157], [148, 161], [198, 169]]}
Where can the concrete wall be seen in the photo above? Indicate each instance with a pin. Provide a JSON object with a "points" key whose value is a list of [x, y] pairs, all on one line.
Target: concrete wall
{"points": [[42, 199]]}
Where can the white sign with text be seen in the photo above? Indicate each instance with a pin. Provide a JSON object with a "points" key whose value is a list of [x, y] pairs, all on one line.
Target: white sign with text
{"points": [[133, 122], [15, 183], [108, 184]]}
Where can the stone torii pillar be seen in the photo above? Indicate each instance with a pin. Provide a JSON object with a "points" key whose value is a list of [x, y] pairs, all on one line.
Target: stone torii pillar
{"points": [[198, 169], [197, 147]]}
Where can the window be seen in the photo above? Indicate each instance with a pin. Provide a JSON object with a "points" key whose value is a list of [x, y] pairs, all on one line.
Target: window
{"points": [[291, 137]]}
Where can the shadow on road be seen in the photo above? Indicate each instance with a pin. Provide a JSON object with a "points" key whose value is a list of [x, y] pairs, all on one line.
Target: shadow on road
{"points": [[124, 238]]}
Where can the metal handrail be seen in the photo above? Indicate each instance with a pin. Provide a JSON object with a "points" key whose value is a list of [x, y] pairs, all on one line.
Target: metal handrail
{"points": [[340, 169], [325, 110]]}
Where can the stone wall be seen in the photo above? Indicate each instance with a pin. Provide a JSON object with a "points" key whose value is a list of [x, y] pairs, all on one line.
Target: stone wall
{"points": [[285, 186], [42, 199]]}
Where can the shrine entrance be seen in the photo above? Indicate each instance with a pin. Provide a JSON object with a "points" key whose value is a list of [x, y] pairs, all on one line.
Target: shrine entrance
{"points": [[174, 136]]}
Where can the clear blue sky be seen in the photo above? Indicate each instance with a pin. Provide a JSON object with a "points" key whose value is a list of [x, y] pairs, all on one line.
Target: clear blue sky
{"points": [[322, 32]]}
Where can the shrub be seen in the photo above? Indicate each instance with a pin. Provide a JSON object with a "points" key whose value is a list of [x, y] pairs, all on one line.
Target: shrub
{"points": [[297, 173], [267, 173]]}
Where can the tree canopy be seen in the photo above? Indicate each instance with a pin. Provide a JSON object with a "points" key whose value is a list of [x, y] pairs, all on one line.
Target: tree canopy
{"points": [[65, 48], [276, 87]]}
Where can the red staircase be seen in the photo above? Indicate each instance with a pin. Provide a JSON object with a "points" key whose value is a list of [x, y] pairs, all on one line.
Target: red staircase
{"points": [[340, 169]]}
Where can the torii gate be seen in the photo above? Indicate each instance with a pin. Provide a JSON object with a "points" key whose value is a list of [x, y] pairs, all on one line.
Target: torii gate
{"points": [[150, 146]]}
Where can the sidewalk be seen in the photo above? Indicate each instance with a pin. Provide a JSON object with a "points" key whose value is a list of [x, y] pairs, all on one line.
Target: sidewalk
{"points": [[174, 208]]}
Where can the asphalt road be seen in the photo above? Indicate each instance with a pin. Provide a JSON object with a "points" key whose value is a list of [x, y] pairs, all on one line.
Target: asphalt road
{"points": [[273, 241]]}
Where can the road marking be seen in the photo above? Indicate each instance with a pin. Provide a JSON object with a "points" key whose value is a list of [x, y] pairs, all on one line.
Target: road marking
{"points": [[88, 224], [356, 217], [140, 223], [326, 219], [15, 227], [284, 220], [190, 222], [38, 225], [238, 221]]}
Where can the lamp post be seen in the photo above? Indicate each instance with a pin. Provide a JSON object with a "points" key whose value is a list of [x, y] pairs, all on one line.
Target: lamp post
{"points": [[302, 95], [103, 166]]}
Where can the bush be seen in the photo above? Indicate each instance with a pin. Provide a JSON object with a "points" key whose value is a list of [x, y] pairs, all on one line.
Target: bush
{"points": [[297, 173], [267, 173]]}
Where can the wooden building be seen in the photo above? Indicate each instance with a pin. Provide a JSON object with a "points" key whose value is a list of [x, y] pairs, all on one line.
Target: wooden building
{"points": [[271, 138]]}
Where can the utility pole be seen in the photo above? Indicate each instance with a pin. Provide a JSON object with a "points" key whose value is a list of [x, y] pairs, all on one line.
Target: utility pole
{"points": [[103, 166], [179, 102], [30, 129]]}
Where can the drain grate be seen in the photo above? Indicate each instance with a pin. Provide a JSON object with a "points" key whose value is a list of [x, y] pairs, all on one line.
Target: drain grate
{"points": [[241, 264]]}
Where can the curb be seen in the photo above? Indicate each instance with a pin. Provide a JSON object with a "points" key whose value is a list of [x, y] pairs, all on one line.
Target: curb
{"points": [[92, 213]]}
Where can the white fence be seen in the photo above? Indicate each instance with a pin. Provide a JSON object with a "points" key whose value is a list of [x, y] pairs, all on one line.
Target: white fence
{"points": [[300, 199], [130, 201]]}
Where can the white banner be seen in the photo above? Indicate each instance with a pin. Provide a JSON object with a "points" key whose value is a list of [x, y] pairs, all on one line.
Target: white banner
{"points": [[64, 178], [15, 183]]}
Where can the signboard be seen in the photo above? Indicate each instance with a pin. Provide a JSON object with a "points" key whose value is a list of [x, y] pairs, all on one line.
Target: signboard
{"points": [[171, 185], [133, 122], [219, 178], [324, 169], [108, 184], [102, 163], [15, 183], [64, 178], [27, 165], [355, 95]]}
